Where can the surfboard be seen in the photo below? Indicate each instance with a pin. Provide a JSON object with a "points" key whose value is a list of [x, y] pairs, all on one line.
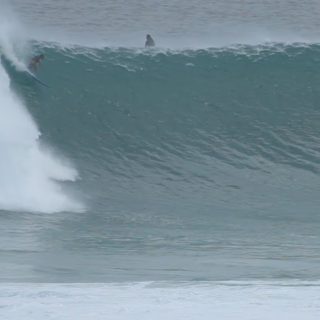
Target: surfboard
{"points": [[36, 79], [22, 73]]}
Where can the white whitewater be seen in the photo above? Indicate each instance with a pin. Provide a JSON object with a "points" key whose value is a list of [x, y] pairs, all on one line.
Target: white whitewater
{"points": [[158, 301], [28, 173]]}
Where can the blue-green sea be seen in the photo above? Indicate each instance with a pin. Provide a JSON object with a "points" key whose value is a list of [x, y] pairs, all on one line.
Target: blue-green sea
{"points": [[183, 177]]}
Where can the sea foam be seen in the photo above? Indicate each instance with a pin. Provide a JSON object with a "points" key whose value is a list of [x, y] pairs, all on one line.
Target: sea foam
{"points": [[28, 173], [139, 301]]}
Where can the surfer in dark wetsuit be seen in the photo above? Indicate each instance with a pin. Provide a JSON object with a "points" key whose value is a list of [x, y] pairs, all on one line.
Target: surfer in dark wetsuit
{"points": [[149, 41], [35, 62]]}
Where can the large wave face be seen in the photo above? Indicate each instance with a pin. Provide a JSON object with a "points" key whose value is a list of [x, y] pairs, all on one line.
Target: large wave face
{"points": [[223, 129], [192, 163]]}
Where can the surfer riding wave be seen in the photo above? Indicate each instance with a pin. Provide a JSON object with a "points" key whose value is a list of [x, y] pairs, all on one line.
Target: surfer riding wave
{"points": [[35, 62]]}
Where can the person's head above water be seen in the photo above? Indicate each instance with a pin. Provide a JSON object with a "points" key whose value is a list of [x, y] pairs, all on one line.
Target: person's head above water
{"points": [[149, 41]]}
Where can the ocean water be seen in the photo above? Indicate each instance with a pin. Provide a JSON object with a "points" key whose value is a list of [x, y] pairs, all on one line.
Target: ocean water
{"points": [[179, 181]]}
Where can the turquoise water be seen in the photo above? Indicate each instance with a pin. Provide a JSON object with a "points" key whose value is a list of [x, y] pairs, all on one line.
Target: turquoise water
{"points": [[193, 165], [191, 169]]}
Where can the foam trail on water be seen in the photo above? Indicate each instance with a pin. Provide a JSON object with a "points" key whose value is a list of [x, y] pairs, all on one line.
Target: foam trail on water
{"points": [[28, 173], [143, 301]]}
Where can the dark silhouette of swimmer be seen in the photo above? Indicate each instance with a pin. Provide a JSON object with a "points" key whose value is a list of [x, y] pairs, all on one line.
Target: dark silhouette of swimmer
{"points": [[149, 41], [35, 62]]}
